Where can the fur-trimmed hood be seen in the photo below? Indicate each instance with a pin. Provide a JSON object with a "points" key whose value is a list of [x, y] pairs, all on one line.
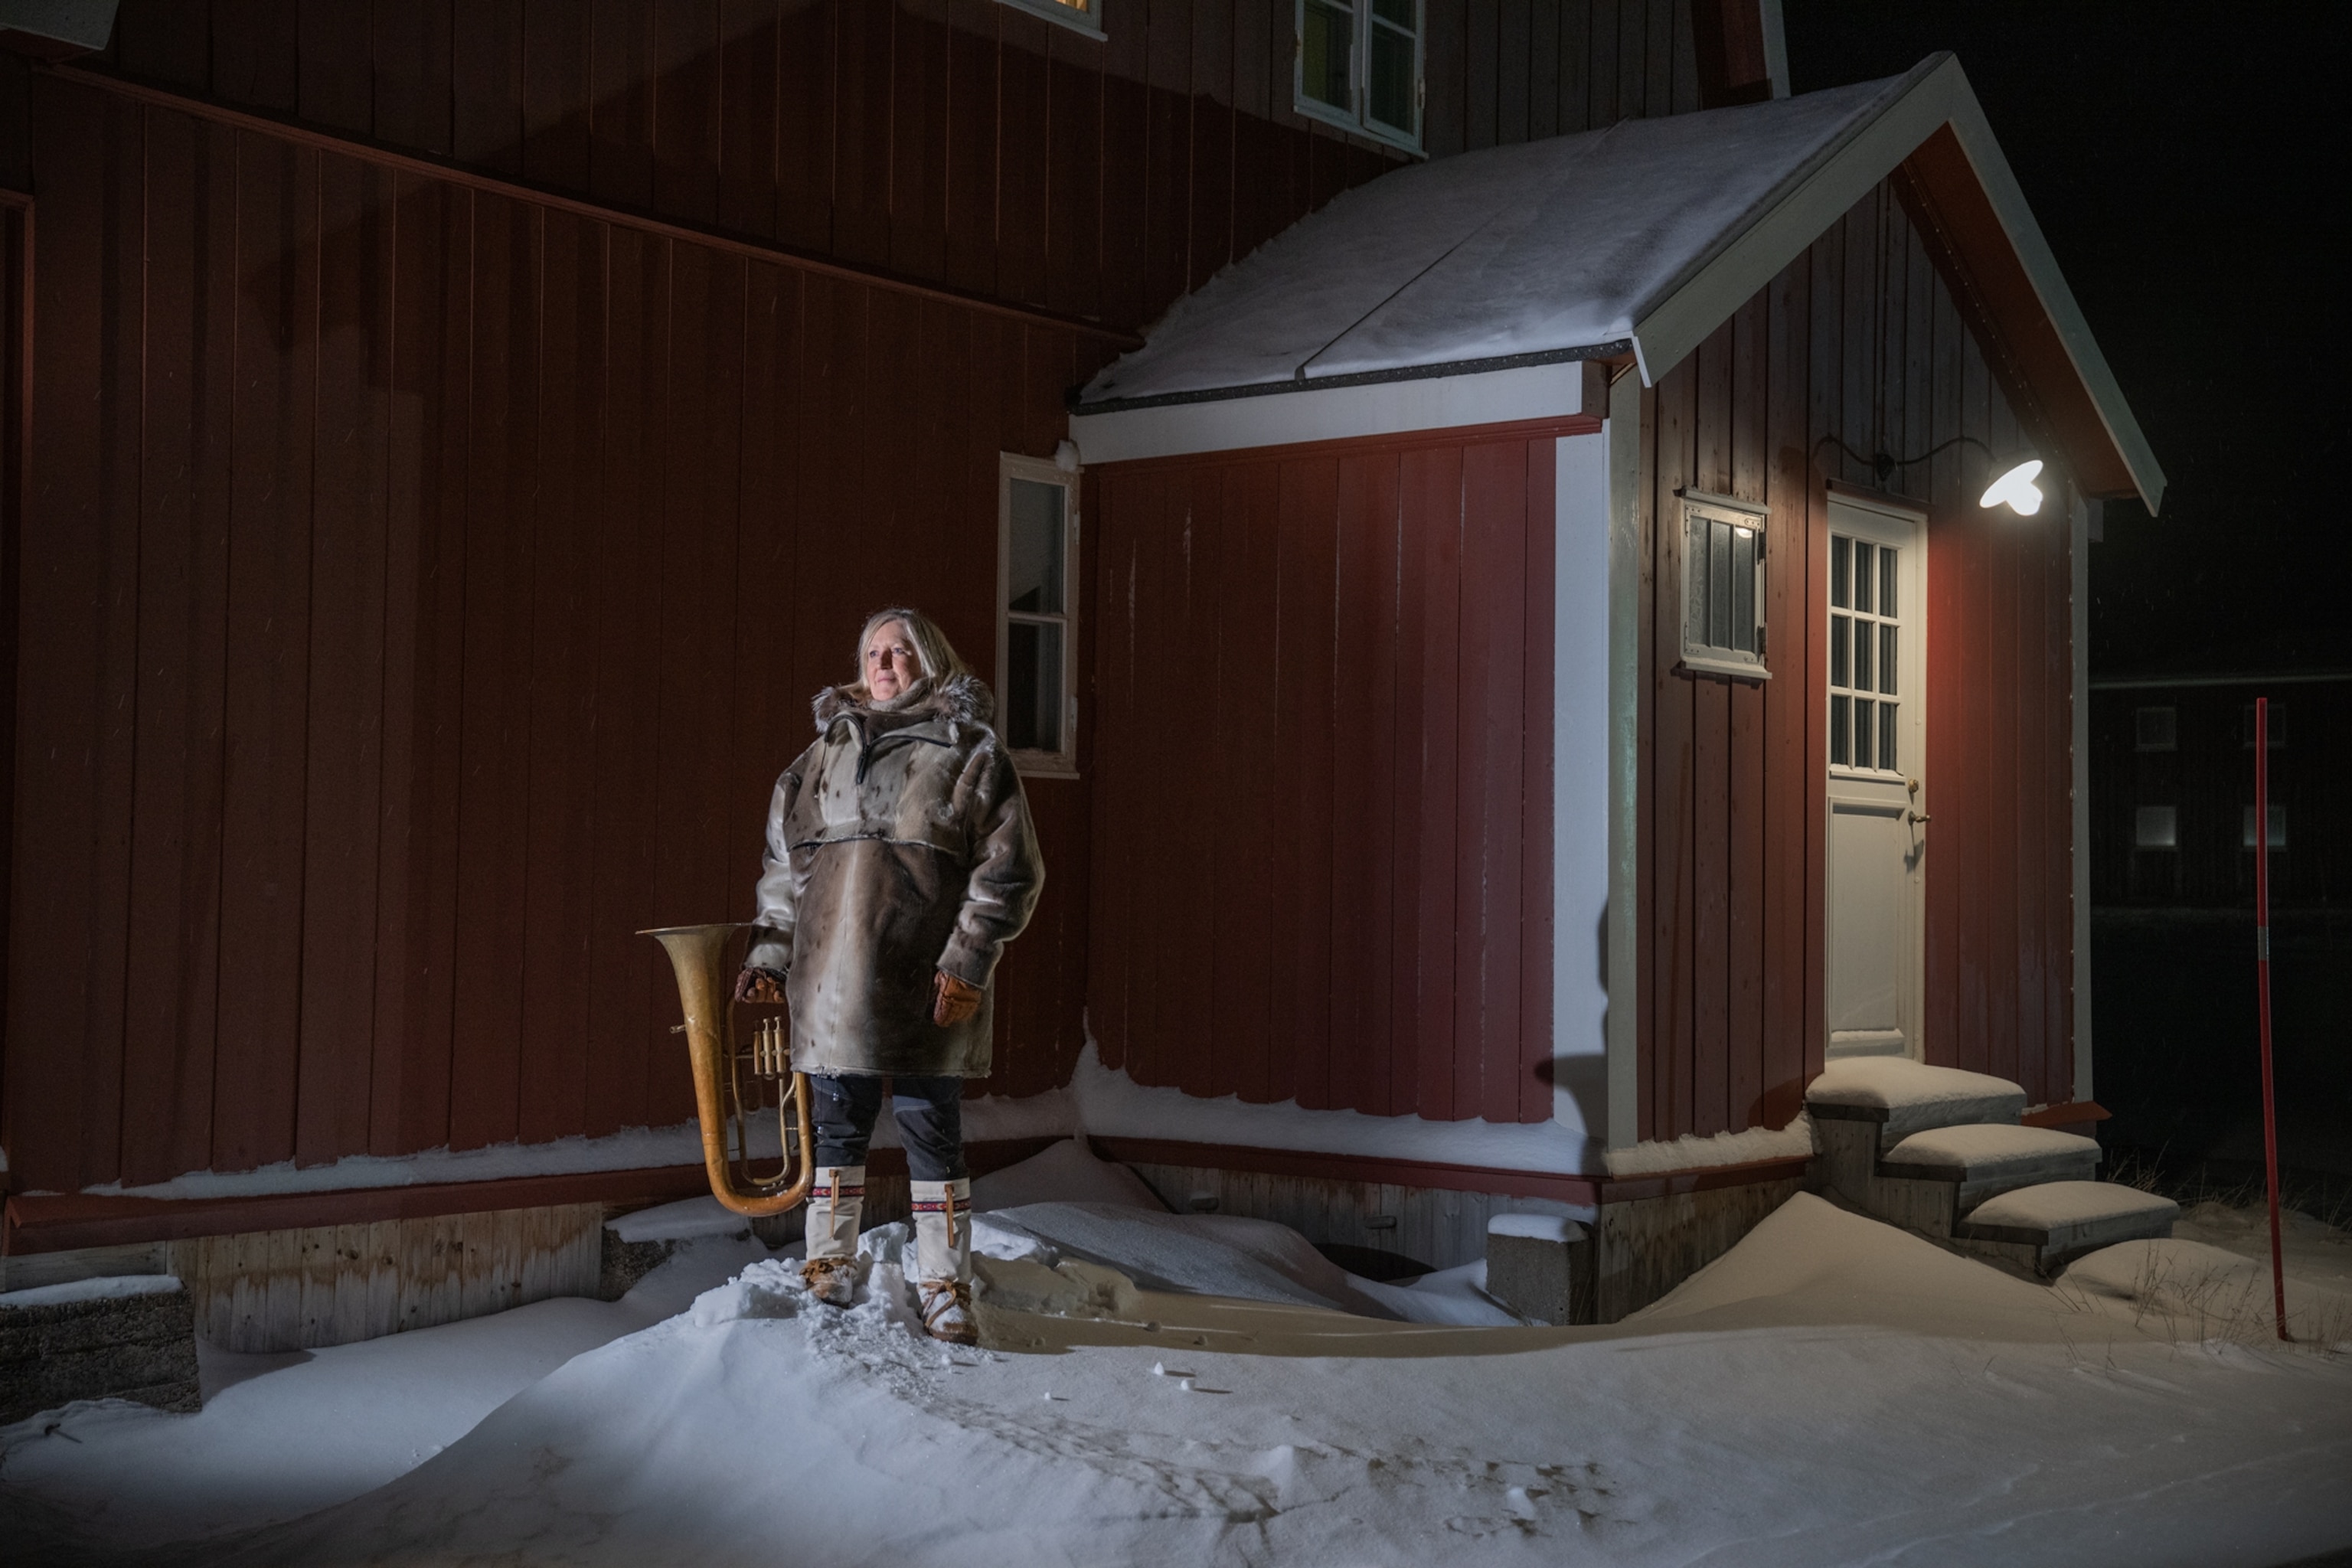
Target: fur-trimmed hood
{"points": [[960, 699]]}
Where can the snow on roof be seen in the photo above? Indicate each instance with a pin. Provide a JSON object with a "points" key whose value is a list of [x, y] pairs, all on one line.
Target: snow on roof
{"points": [[1546, 247], [1642, 237]]}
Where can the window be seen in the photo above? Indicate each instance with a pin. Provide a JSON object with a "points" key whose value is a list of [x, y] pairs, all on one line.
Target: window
{"points": [[1036, 643], [1359, 66], [2278, 828], [2155, 729], [2275, 729], [2155, 828], [1723, 587], [1079, 16]]}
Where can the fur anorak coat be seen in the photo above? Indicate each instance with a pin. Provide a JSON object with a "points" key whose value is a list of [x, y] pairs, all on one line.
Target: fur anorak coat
{"points": [[899, 844]]}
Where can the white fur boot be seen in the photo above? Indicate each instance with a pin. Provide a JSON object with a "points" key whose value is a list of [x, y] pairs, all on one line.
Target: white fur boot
{"points": [[835, 1200], [943, 1259]]}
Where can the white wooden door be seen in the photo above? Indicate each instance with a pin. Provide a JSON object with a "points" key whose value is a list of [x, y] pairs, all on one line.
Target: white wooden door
{"points": [[1877, 807]]}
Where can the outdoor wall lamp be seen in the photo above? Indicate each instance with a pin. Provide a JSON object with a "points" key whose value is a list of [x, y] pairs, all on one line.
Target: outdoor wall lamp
{"points": [[2015, 488]]}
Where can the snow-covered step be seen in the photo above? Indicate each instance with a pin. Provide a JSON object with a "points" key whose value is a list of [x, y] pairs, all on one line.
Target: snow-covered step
{"points": [[1984, 1160], [1903, 1097], [2050, 1225]]}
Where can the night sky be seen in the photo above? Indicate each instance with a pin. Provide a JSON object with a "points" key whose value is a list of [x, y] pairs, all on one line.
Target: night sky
{"points": [[2187, 164]]}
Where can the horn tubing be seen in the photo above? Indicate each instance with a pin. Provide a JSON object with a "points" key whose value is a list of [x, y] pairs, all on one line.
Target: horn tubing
{"points": [[697, 954]]}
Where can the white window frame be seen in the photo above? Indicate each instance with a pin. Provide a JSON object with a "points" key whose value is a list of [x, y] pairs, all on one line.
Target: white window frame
{"points": [[1081, 16], [1706, 657], [1358, 116], [1012, 466]]}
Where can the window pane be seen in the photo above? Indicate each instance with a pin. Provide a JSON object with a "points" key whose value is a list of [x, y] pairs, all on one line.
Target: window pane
{"points": [[1743, 590], [1391, 73], [1324, 53], [1861, 736], [1694, 551], [1887, 602], [1718, 584], [1395, 13], [2155, 827], [1839, 627], [1886, 736], [1861, 574], [1033, 584], [1886, 659], [1837, 572], [1837, 705], [2277, 833], [1032, 679], [2159, 729], [1862, 681]]}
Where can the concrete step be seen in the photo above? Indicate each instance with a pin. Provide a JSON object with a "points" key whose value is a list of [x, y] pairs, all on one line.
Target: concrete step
{"points": [[1987, 1159], [1901, 1096], [2048, 1225]]}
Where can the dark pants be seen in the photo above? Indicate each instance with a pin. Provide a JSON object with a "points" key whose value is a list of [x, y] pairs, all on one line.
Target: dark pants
{"points": [[930, 1120]]}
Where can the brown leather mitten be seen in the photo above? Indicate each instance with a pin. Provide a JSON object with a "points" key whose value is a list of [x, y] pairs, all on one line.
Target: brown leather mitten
{"points": [[761, 985], [952, 1001]]}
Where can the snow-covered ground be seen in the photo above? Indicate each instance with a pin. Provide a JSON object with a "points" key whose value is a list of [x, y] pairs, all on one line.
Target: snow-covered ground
{"points": [[1173, 1389]]}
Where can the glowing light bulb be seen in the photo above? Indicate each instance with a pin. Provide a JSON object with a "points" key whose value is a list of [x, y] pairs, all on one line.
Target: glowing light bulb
{"points": [[2017, 489]]}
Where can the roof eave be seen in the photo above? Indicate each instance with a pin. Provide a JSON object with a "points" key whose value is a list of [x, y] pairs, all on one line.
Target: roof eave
{"points": [[2111, 454]]}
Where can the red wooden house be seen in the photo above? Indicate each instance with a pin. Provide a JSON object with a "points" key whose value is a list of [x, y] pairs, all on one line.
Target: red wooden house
{"points": [[445, 445]]}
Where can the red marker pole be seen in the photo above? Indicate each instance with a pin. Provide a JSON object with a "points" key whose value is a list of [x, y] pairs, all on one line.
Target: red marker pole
{"points": [[2263, 988]]}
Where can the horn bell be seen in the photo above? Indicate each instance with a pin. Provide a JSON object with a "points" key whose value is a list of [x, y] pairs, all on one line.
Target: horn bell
{"points": [[699, 954]]}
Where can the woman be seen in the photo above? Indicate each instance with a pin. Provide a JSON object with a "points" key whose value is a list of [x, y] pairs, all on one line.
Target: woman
{"points": [[900, 860]]}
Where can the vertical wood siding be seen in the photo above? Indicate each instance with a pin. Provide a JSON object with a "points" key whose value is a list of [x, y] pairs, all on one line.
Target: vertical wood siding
{"points": [[1860, 339], [958, 142], [422, 591], [1322, 829]]}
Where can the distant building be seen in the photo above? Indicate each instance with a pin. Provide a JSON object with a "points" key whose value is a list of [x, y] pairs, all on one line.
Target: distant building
{"points": [[2172, 788]]}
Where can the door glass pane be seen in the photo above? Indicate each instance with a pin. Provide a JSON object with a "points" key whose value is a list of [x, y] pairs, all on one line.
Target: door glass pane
{"points": [[1862, 681], [1861, 736], [1837, 572], [1391, 72], [1032, 657], [1886, 599], [1840, 626], [1838, 705], [1886, 736], [1323, 54], [1861, 574], [1886, 659], [1034, 572]]}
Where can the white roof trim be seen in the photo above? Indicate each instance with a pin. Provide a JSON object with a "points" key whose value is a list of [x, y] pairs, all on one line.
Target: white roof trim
{"points": [[1331, 414]]}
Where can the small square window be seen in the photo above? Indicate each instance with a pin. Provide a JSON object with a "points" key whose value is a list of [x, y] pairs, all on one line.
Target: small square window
{"points": [[2155, 828], [2278, 828], [2155, 729], [2274, 724], [1723, 589], [1078, 16], [1359, 66], [1036, 624]]}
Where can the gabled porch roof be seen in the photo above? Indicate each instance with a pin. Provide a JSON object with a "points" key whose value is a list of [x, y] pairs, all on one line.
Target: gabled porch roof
{"points": [[1641, 238]]}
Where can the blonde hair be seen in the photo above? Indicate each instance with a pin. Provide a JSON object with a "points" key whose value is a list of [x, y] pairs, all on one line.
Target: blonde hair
{"points": [[932, 645]]}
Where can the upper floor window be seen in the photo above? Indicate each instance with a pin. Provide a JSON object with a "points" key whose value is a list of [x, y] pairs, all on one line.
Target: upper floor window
{"points": [[1080, 15], [2155, 828], [1036, 623], [2273, 727], [1360, 67], [2156, 729]]}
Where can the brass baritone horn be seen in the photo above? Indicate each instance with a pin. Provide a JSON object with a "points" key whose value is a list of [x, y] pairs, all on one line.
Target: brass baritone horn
{"points": [[705, 988]]}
